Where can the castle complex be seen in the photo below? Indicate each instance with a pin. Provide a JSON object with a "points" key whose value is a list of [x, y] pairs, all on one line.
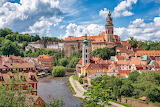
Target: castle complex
{"points": [[106, 39]]}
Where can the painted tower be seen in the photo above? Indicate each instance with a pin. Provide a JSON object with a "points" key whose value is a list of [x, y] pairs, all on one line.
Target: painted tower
{"points": [[85, 52], [109, 36]]}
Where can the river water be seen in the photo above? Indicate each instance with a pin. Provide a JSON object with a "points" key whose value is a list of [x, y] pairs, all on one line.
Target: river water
{"points": [[49, 88]]}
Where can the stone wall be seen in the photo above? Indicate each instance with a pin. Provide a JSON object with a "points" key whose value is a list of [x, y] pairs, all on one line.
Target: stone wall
{"points": [[135, 103]]}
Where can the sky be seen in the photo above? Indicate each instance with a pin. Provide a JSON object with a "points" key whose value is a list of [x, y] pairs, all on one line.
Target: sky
{"points": [[62, 18]]}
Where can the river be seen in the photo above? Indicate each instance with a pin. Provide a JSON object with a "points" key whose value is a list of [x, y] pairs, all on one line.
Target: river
{"points": [[49, 88]]}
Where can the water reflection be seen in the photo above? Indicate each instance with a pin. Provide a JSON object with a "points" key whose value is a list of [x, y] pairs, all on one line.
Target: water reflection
{"points": [[49, 88]]}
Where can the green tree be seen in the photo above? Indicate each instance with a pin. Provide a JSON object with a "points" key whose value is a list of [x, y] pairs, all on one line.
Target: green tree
{"points": [[63, 62], [127, 89], [133, 76], [73, 62], [58, 71], [4, 32], [10, 48], [24, 44], [77, 54], [104, 53], [153, 94], [133, 42], [35, 38], [150, 76]]}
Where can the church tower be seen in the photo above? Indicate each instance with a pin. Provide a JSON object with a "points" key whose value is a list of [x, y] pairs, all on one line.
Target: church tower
{"points": [[85, 52], [109, 36]]}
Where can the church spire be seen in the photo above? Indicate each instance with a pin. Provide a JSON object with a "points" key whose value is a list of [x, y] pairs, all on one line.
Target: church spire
{"points": [[109, 19], [109, 36]]}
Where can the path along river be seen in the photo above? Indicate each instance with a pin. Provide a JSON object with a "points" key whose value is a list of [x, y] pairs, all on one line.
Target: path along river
{"points": [[49, 88]]}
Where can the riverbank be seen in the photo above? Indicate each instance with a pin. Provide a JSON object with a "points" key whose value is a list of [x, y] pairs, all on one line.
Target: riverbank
{"points": [[78, 88]]}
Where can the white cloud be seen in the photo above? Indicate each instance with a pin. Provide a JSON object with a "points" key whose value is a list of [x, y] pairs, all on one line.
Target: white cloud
{"points": [[30, 15], [77, 30], [141, 30], [62, 26], [103, 13], [42, 27], [122, 9]]}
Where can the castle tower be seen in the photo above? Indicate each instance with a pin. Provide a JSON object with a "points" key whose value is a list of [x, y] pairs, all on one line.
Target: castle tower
{"points": [[85, 52], [109, 36]]}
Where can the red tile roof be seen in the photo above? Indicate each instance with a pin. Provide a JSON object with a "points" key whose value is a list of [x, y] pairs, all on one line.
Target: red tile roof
{"points": [[99, 40], [80, 38], [144, 98], [92, 60], [120, 57], [91, 66], [124, 43], [124, 71], [44, 56], [123, 62], [148, 53], [135, 60]]}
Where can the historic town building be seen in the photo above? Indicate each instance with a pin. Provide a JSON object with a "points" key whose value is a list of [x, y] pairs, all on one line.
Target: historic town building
{"points": [[57, 45], [15, 67], [106, 39]]}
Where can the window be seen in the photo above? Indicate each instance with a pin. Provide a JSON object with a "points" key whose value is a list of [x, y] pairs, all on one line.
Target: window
{"points": [[22, 78], [86, 61], [86, 50], [86, 56], [32, 76], [39, 102], [1, 78], [12, 77]]}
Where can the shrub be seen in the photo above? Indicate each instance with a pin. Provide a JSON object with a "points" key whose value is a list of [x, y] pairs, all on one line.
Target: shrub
{"points": [[58, 71]]}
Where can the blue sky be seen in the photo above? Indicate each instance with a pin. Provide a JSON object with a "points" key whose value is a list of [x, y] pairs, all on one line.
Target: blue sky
{"points": [[63, 18]]}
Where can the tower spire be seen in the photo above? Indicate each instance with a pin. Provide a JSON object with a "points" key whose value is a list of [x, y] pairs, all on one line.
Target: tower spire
{"points": [[109, 36], [109, 19]]}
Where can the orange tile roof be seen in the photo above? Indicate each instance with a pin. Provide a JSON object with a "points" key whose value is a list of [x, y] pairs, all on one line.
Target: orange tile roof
{"points": [[99, 40], [80, 38], [95, 58], [18, 65], [92, 60], [148, 53], [124, 71], [135, 60], [45, 56], [125, 43], [120, 57], [80, 61], [122, 62], [91, 66], [83, 37], [144, 98]]}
